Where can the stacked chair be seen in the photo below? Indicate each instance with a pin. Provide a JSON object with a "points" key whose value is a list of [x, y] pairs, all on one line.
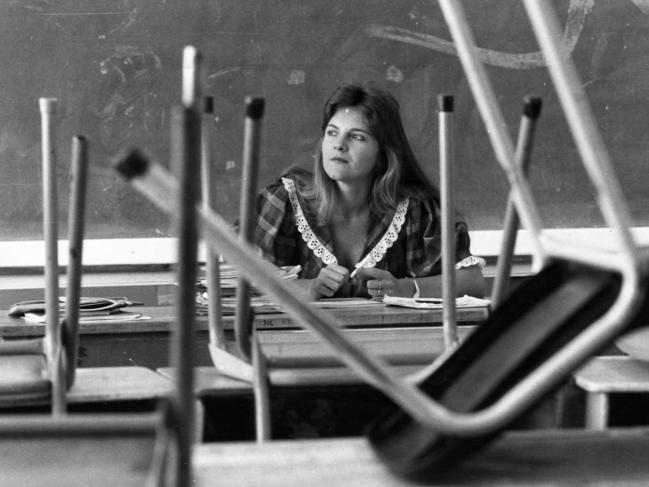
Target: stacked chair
{"points": [[44, 369], [152, 449], [580, 300]]}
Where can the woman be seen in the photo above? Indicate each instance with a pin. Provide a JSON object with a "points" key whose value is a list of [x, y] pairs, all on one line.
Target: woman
{"points": [[367, 221]]}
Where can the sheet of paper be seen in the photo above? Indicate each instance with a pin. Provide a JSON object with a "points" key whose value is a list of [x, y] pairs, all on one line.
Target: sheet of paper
{"points": [[435, 303], [345, 303]]}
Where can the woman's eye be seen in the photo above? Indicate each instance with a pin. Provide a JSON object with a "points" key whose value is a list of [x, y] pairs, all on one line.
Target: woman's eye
{"points": [[358, 137], [331, 133]]}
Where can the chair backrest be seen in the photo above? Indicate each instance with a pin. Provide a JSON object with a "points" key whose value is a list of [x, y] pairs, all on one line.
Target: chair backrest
{"points": [[581, 301], [35, 370]]}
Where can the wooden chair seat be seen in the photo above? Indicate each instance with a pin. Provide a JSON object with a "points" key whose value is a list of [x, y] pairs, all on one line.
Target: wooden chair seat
{"points": [[23, 378]]}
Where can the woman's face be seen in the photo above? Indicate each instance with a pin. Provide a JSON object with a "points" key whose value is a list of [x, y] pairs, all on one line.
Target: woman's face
{"points": [[349, 150]]}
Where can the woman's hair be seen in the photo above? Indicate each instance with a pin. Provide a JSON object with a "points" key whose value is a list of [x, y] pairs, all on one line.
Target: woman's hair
{"points": [[397, 174]]}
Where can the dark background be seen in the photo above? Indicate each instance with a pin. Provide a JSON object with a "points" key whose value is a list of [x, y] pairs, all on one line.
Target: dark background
{"points": [[115, 67]]}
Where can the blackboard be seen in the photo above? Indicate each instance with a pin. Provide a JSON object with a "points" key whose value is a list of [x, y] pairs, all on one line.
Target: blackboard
{"points": [[115, 66]]}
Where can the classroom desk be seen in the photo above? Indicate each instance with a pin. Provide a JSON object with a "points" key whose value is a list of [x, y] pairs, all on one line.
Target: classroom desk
{"points": [[555, 458], [145, 343], [323, 401], [210, 383], [224, 405], [396, 345], [607, 375], [299, 358], [224, 408], [163, 319], [530, 458]]}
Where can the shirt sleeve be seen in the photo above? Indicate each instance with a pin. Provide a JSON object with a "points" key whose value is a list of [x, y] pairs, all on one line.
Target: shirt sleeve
{"points": [[274, 232], [424, 239]]}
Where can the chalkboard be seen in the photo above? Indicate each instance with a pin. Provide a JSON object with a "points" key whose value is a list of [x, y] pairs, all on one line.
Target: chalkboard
{"points": [[115, 66]]}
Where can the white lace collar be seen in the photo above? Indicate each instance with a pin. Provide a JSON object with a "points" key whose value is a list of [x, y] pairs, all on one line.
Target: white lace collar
{"points": [[319, 249]]}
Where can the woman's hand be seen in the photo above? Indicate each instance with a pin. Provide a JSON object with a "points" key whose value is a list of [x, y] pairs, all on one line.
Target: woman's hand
{"points": [[380, 282], [330, 279]]}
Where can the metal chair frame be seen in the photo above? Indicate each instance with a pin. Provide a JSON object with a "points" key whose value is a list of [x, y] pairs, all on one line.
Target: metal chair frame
{"points": [[153, 181], [60, 343]]}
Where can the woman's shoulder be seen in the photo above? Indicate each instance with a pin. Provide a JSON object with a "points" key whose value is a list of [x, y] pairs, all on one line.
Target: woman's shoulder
{"points": [[283, 193], [273, 195], [425, 207], [298, 174], [423, 203], [291, 180]]}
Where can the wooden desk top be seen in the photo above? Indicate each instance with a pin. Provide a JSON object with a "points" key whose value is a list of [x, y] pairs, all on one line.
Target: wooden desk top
{"points": [[163, 319], [209, 382], [71, 462], [523, 458], [531, 458], [105, 384], [397, 345], [112, 384], [614, 374], [300, 358]]}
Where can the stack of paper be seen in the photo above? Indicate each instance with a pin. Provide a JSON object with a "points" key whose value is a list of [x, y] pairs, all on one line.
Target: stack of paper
{"points": [[229, 279], [90, 310], [92, 318]]}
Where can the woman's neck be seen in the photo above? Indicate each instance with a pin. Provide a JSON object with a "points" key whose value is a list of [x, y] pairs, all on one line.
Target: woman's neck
{"points": [[352, 200]]}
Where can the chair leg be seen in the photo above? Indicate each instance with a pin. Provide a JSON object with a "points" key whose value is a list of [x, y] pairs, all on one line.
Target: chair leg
{"points": [[597, 408], [260, 383]]}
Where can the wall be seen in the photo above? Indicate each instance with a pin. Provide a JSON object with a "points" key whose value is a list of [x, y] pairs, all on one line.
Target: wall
{"points": [[115, 66]]}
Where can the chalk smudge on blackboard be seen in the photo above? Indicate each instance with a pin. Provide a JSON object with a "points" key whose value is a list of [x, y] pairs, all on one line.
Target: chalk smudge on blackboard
{"points": [[222, 72], [394, 74], [577, 12], [127, 98], [296, 77]]}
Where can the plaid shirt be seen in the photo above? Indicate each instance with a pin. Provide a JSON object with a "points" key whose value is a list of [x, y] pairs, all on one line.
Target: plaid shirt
{"points": [[415, 253]]}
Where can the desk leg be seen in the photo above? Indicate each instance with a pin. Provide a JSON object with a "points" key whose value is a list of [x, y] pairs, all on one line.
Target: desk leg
{"points": [[597, 407], [199, 421]]}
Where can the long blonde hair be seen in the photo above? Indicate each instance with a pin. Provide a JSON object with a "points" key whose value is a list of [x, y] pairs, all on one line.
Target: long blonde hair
{"points": [[397, 175]]}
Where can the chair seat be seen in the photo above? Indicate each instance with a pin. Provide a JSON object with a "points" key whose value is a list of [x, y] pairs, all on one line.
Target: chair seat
{"points": [[23, 378]]}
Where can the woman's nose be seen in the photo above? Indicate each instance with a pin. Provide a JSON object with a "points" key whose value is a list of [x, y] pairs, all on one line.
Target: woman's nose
{"points": [[340, 145]]}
